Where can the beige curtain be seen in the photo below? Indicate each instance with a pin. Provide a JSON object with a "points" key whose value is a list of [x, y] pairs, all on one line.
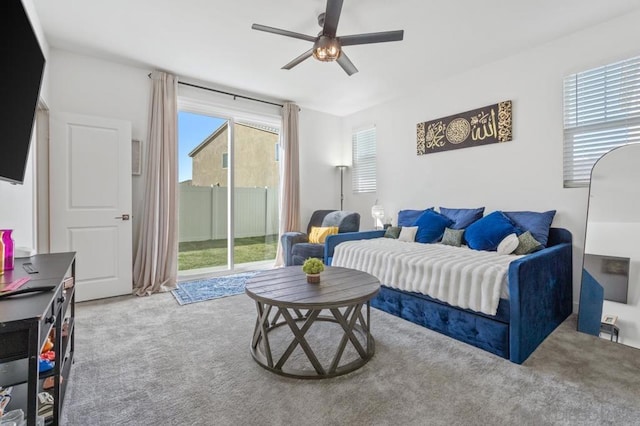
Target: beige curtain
{"points": [[155, 267], [290, 182]]}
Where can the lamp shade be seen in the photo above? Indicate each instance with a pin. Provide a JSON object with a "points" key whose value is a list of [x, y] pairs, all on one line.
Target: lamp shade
{"points": [[377, 211]]}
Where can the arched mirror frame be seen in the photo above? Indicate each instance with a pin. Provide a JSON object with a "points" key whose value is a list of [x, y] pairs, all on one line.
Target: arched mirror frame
{"points": [[590, 310]]}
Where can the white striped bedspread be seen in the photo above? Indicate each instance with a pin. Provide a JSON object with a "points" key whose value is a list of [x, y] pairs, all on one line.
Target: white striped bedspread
{"points": [[460, 276]]}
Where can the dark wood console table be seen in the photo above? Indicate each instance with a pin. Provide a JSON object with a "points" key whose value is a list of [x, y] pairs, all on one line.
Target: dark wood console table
{"points": [[283, 297], [25, 323]]}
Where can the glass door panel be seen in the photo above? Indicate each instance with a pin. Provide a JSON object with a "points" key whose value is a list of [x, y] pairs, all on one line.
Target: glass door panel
{"points": [[203, 143], [256, 183]]}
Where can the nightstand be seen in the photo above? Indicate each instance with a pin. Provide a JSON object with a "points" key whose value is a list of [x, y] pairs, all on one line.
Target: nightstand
{"points": [[610, 329]]}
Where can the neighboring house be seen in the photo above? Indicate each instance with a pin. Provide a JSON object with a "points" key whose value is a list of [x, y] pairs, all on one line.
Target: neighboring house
{"points": [[256, 157]]}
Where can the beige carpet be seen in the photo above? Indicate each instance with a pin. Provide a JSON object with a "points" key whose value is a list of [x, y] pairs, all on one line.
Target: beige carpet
{"points": [[148, 361]]}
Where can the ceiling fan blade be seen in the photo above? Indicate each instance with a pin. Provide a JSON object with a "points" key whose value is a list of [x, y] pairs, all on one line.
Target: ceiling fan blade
{"points": [[382, 37], [296, 61], [283, 32], [331, 17], [346, 64]]}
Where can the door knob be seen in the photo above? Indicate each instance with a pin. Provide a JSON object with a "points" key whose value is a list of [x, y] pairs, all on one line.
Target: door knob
{"points": [[123, 217]]}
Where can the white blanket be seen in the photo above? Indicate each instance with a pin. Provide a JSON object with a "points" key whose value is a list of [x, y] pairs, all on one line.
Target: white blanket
{"points": [[460, 276]]}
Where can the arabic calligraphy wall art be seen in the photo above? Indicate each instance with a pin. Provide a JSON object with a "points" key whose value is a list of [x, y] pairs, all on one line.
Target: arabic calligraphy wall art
{"points": [[482, 126]]}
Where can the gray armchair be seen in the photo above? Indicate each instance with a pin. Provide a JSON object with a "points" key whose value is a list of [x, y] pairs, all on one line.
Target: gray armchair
{"points": [[296, 246]]}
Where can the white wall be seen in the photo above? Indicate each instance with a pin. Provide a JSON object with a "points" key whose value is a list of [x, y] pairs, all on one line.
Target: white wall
{"points": [[91, 86], [320, 153], [17, 209], [85, 85], [524, 174]]}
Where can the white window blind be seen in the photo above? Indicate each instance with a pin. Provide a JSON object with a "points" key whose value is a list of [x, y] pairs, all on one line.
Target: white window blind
{"points": [[364, 161], [601, 112]]}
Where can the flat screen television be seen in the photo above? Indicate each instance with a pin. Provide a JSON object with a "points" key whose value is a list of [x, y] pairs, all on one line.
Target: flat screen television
{"points": [[20, 79]]}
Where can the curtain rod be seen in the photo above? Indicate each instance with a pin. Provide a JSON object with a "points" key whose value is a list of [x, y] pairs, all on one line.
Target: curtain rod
{"points": [[235, 95]]}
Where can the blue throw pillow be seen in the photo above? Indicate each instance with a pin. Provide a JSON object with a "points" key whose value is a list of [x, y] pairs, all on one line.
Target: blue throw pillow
{"points": [[486, 233], [462, 217], [536, 223], [408, 217], [431, 226]]}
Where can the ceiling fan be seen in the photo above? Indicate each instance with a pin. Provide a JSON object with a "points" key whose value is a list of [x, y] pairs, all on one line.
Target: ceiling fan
{"points": [[327, 47]]}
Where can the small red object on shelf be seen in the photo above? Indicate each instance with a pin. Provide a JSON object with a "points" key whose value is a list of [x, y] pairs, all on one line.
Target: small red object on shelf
{"points": [[48, 355]]}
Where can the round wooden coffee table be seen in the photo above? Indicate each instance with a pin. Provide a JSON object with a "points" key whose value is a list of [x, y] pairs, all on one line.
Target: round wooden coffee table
{"points": [[283, 297]]}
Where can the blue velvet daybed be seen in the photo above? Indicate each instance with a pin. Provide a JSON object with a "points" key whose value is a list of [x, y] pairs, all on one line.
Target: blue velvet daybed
{"points": [[540, 288]]}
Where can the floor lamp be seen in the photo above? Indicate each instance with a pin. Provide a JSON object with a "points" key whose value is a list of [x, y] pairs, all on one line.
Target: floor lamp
{"points": [[342, 169]]}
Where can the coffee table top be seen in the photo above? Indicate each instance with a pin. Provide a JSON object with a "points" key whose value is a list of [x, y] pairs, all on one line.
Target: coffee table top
{"points": [[288, 287]]}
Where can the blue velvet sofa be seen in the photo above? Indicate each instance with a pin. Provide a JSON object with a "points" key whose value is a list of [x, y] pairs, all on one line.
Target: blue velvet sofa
{"points": [[540, 288]]}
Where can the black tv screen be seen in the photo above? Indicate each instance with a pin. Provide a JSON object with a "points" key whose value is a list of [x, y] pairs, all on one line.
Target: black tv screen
{"points": [[20, 78]]}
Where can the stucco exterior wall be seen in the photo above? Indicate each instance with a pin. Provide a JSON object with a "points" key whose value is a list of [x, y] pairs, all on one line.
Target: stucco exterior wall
{"points": [[255, 159]]}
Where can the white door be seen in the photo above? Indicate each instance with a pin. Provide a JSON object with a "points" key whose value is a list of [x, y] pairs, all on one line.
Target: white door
{"points": [[90, 199]]}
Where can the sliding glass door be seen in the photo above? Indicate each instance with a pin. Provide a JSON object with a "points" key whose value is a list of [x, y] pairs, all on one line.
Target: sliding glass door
{"points": [[256, 182], [224, 230]]}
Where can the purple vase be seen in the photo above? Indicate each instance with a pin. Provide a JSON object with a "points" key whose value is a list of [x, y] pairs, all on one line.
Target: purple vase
{"points": [[7, 245], [1, 253]]}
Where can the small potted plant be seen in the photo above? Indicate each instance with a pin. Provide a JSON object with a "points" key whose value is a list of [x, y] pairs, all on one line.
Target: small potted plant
{"points": [[312, 267]]}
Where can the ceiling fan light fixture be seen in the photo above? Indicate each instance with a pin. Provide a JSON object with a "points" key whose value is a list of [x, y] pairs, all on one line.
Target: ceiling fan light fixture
{"points": [[327, 46], [326, 49]]}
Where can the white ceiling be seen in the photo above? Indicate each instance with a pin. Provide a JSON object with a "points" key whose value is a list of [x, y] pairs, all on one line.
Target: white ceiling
{"points": [[212, 41]]}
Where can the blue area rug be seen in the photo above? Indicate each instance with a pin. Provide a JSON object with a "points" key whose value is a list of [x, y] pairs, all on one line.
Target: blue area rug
{"points": [[211, 288]]}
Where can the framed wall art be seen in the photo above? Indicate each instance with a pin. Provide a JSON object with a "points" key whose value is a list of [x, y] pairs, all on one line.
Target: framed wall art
{"points": [[481, 126]]}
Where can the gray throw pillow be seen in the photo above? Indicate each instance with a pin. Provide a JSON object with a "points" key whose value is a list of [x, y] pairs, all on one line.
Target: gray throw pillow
{"points": [[527, 244], [452, 237], [393, 232]]}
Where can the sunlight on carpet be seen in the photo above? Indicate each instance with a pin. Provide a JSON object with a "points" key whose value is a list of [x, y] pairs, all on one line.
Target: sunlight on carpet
{"points": [[211, 288]]}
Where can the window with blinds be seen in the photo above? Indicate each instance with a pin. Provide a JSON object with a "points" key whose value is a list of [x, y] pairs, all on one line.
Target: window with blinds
{"points": [[364, 161], [601, 112]]}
